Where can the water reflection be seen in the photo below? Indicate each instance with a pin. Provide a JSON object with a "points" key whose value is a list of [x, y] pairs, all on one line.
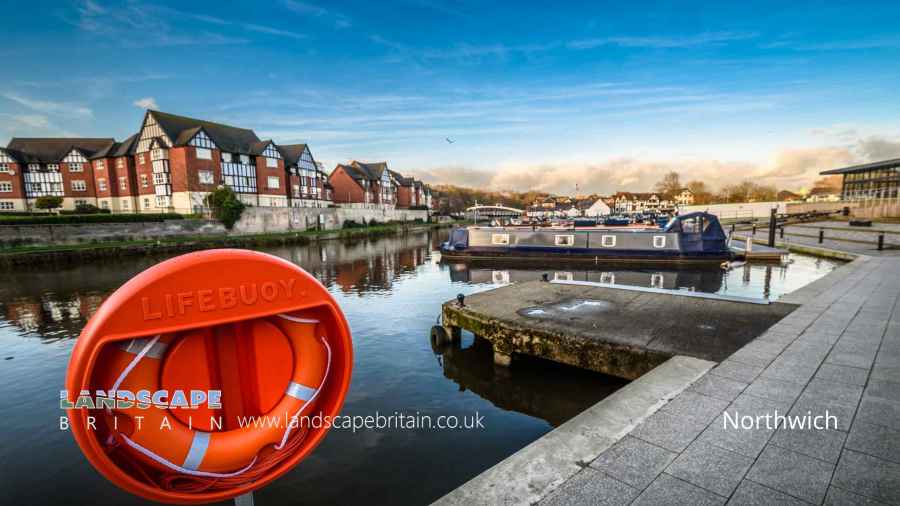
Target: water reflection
{"points": [[538, 388], [757, 280]]}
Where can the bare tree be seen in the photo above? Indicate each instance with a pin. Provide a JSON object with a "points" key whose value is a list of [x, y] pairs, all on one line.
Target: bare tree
{"points": [[669, 185]]}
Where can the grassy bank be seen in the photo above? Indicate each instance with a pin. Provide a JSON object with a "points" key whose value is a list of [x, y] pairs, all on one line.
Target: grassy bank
{"points": [[35, 255]]}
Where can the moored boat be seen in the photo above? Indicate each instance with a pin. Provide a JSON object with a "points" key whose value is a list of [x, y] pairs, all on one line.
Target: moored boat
{"points": [[694, 237]]}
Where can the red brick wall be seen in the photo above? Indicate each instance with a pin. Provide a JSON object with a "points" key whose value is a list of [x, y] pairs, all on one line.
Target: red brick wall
{"points": [[194, 165], [346, 189], [262, 177], [87, 175], [403, 196], [178, 167], [17, 180], [145, 169]]}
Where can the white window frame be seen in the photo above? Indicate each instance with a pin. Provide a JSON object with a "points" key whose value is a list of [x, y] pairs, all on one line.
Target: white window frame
{"points": [[206, 177], [4, 168], [53, 166], [500, 239], [82, 187], [123, 183], [659, 241], [76, 167], [608, 241], [277, 181], [6, 187], [100, 164], [7, 206], [101, 185], [120, 163], [564, 240], [203, 153], [272, 163], [145, 181], [34, 166]]}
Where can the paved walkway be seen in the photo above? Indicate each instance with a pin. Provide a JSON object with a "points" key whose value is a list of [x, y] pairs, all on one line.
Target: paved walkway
{"points": [[808, 234], [839, 352]]}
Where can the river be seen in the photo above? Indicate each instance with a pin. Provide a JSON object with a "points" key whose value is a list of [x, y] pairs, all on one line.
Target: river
{"points": [[391, 290]]}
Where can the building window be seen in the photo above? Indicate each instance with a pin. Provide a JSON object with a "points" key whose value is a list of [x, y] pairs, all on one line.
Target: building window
{"points": [[500, 239], [206, 177], [273, 182], [245, 159], [7, 206], [76, 167], [104, 204], [40, 184], [204, 154], [123, 184], [5, 187], [162, 201], [565, 240], [101, 185], [34, 166], [100, 164], [78, 185], [271, 162], [202, 141], [144, 181], [125, 204], [53, 166], [4, 168], [120, 163], [239, 177], [296, 189], [227, 158], [146, 203], [160, 178]]}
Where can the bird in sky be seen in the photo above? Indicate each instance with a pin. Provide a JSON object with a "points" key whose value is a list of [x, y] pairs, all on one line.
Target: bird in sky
{"points": [[449, 140]]}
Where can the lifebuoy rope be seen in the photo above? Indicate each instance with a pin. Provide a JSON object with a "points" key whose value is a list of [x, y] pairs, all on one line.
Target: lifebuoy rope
{"points": [[204, 474]]}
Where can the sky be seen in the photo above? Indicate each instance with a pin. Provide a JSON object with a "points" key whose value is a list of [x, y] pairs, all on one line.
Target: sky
{"points": [[607, 96]]}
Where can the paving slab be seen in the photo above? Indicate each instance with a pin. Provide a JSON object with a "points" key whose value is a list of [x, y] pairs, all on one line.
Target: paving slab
{"points": [[869, 476], [590, 487], [668, 490], [634, 461], [710, 468], [749, 493], [792, 473]]}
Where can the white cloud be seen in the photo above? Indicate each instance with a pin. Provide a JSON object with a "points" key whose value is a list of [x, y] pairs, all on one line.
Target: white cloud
{"points": [[146, 103], [658, 42], [64, 109], [308, 9]]}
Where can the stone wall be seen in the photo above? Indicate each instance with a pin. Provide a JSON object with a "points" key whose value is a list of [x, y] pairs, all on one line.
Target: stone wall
{"points": [[45, 235], [260, 220], [254, 220], [867, 209]]}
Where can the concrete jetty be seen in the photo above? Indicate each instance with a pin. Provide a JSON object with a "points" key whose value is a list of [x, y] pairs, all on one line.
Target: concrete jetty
{"points": [[665, 438], [618, 330]]}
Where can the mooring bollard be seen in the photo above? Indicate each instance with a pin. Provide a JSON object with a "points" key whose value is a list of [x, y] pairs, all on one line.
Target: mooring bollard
{"points": [[881, 241], [754, 229], [821, 235]]}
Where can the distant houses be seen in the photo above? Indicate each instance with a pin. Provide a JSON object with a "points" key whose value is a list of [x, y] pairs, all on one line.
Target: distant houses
{"points": [[374, 185]]}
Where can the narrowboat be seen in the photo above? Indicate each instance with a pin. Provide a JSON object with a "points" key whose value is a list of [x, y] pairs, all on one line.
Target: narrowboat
{"points": [[694, 237]]}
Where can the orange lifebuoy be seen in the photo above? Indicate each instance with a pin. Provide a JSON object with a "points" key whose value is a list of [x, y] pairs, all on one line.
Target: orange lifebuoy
{"points": [[257, 328], [175, 446]]}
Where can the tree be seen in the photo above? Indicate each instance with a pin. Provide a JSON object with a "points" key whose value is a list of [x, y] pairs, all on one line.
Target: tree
{"points": [[669, 185], [48, 202], [702, 194], [225, 205]]}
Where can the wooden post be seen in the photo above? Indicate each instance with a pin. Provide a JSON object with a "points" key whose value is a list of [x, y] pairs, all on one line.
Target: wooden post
{"points": [[881, 241], [772, 225], [821, 235]]}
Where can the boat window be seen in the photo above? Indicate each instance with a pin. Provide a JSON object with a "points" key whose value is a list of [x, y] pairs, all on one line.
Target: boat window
{"points": [[500, 239], [563, 276], [657, 280], [608, 278], [565, 240], [690, 226], [659, 241], [608, 241]]}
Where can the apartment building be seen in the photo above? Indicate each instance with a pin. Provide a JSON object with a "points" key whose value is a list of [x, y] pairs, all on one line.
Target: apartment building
{"points": [[170, 165], [366, 184]]}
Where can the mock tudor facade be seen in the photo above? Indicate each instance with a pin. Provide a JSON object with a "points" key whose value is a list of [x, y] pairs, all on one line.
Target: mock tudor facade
{"points": [[170, 165], [374, 185]]}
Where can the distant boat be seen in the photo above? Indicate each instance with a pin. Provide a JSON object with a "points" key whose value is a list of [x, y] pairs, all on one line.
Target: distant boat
{"points": [[616, 221], [694, 237]]}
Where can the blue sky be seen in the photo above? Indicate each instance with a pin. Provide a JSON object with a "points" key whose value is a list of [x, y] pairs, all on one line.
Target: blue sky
{"points": [[608, 96]]}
